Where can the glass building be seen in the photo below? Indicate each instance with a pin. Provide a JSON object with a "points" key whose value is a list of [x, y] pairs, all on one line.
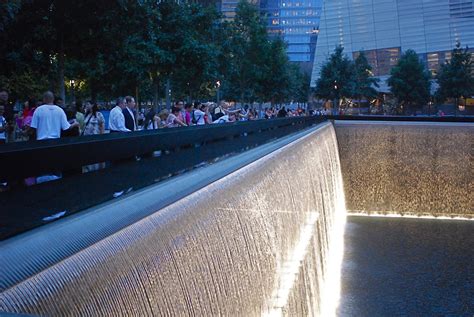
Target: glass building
{"points": [[228, 8], [297, 21], [384, 29]]}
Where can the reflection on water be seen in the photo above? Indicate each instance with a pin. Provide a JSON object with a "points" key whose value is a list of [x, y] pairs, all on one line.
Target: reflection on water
{"points": [[408, 267]]}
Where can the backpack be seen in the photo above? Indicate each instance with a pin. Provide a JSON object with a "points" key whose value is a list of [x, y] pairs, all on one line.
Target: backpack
{"points": [[193, 117]]}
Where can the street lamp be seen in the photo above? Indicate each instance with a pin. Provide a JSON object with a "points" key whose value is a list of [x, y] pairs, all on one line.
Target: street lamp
{"points": [[72, 82], [218, 84], [189, 93]]}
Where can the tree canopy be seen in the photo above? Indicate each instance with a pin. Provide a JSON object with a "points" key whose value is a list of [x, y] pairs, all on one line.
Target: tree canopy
{"points": [[364, 82], [337, 76], [120, 47], [410, 81], [455, 77]]}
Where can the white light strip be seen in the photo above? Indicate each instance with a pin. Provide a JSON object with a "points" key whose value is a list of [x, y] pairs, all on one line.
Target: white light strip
{"points": [[290, 269], [413, 216], [331, 293], [287, 275]]}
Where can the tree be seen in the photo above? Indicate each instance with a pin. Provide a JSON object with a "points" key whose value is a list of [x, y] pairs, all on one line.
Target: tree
{"points": [[276, 82], [298, 85], [455, 77], [8, 10], [364, 82], [337, 77], [123, 47], [196, 66], [409, 81], [45, 35], [249, 46]]}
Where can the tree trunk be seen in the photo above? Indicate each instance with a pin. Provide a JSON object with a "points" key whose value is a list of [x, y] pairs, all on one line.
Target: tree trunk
{"points": [[456, 101], [156, 86], [137, 107], [358, 104], [62, 90], [93, 89], [168, 94]]}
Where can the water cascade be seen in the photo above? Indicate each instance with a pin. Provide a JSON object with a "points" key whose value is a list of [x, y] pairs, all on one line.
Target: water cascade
{"points": [[407, 168], [262, 233], [413, 256], [263, 240]]}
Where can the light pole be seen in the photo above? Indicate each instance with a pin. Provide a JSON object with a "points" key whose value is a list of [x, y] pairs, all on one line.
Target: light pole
{"points": [[72, 82], [189, 93], [168, 94], [218, 95]]}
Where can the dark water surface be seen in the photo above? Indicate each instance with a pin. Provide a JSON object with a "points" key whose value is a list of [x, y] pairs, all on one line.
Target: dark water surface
{"points": [[408, 267]]}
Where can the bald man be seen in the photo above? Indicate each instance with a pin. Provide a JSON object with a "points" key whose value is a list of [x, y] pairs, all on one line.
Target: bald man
{"points": [[48, 120]]}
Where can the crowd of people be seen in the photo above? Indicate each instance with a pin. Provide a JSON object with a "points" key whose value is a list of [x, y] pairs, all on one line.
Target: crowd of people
{"points": [[50, 119], [197, 113]]}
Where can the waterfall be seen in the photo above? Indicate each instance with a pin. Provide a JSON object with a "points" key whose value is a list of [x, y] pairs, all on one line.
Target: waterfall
{"points": [[263, 240], [418, 169]]}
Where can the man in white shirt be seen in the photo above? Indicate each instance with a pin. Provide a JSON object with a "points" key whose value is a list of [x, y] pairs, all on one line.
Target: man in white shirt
{"points": [[116, 117], [48, 120]]}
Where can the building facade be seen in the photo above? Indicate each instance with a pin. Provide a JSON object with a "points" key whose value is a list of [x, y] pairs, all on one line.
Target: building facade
{"points": [[384, 29], [297, 21]]}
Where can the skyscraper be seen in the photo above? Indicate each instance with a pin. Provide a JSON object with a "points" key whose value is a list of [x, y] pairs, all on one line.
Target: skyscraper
{"points": [[297, 21], [228, 7], [384, 29]]}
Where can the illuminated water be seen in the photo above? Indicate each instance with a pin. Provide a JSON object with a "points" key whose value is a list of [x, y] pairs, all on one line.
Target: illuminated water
{"points": [[256, 242], [269, 239], [408, 168]]}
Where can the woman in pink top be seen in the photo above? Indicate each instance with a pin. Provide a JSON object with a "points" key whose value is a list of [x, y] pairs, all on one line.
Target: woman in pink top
{"points": [[173, 121]]}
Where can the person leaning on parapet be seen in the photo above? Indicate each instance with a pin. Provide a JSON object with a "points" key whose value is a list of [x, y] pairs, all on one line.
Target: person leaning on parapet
{"points": [[128, 113], [219, 111], [8, 113], [8, 108], [3, 126], [48, 120], [188, 113], [200, 115], [3, 138], [116, 117], [282, 113], [172, 121], [182, 112]]}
